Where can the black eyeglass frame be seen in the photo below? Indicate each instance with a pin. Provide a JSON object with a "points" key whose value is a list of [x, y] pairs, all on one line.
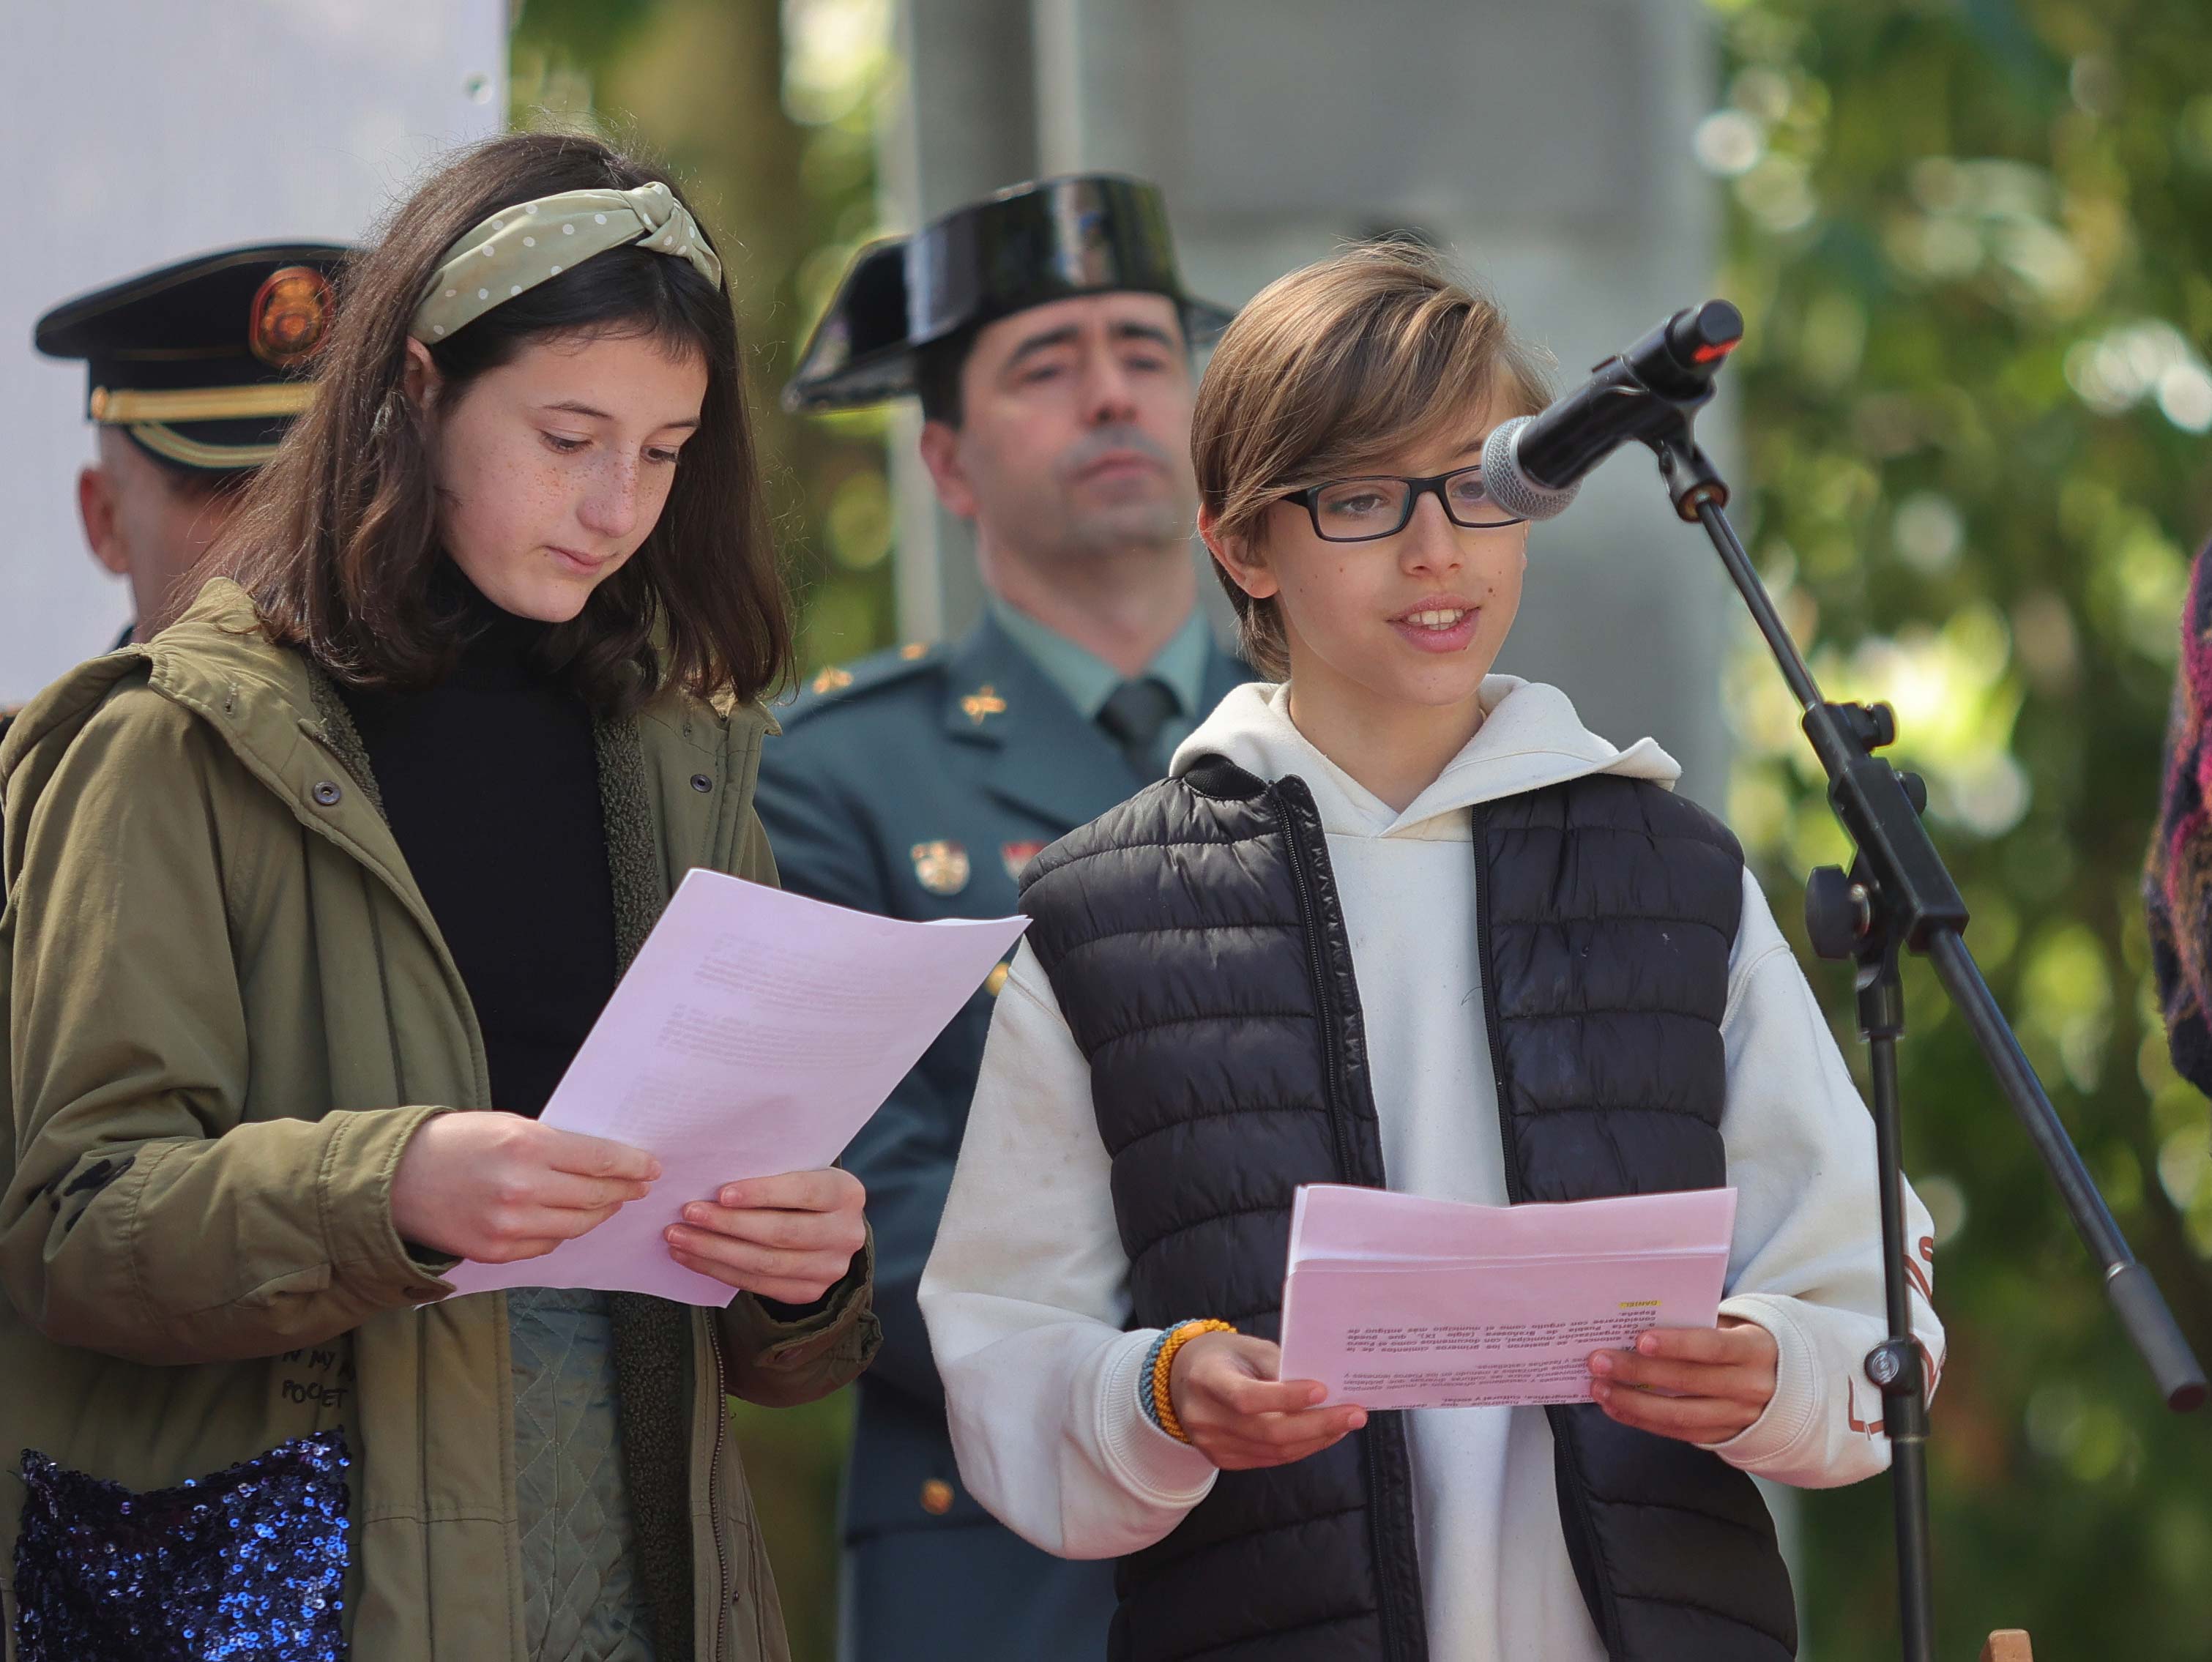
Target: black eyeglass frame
{"points": [[1309, 499]]}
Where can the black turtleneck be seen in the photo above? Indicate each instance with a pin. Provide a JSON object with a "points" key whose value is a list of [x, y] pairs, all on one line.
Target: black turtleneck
{"points": [[491, 783]]}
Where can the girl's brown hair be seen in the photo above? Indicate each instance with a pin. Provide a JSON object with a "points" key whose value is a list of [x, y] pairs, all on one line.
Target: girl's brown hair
{"points": [[336, 538], [1330, 372]]}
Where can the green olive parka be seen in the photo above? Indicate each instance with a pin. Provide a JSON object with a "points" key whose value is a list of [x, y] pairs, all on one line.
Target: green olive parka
{"points": [[228, 1009]]}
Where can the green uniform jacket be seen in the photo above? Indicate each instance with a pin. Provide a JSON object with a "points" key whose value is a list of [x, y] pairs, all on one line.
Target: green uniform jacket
{"points": [[220, 978], [916, 785]]}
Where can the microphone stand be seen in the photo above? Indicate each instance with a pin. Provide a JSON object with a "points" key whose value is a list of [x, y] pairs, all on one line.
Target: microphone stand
{"points": [[1898, 896]]}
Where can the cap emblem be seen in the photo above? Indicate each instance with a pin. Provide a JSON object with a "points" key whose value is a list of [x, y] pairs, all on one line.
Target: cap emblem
{"points": [[1088, 259], [291, 316]]}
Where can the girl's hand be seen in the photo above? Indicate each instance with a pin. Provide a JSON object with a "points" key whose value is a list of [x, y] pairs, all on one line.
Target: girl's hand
{"points": [[790, 1239], [1722, 1380], [498, 1188], [1239, 1416]]}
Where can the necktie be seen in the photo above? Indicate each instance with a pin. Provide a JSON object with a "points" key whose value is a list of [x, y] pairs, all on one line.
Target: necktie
{"points": [[1133, 717]]}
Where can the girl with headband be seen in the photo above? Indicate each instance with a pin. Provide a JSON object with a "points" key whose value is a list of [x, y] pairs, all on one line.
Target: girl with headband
{"points": [[311, 900]]}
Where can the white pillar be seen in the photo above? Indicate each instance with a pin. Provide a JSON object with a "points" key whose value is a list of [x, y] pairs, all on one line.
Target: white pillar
{"points": [[1548, 148], [961, 124]]}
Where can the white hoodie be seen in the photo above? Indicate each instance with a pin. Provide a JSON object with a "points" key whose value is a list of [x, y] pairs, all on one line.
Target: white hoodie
{"points": [[1026, 1295]]}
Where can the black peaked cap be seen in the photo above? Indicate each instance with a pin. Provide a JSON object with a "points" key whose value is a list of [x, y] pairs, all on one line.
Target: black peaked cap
{"points": [[1028, 244], [204, 362]]}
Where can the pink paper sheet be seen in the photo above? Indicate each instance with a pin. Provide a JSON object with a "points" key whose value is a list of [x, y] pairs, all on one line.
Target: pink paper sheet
{"points": [[1396, 1302]]}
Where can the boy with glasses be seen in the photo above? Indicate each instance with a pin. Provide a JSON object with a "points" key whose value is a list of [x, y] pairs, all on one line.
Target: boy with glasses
{"points": [[1402, 922]]}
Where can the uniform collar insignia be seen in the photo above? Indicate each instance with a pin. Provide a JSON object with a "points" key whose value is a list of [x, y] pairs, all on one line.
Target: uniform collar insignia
{"points": [[981, 703], [1017, 855]]}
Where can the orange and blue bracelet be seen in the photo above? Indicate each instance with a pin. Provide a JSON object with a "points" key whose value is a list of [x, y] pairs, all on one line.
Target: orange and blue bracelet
{"points": [[1159, 1368]]}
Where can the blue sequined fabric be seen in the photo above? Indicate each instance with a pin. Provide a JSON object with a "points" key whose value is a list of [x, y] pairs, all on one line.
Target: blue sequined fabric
{"points": [[247, 1565]]}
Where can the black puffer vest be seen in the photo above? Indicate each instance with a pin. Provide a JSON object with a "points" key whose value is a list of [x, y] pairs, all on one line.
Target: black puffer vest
{"points": [[1196, 943]]}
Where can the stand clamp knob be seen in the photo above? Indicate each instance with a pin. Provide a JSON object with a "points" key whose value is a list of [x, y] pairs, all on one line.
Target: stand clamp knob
{"points": [[1875, 726], [1839, 913], [1894, 1365]]}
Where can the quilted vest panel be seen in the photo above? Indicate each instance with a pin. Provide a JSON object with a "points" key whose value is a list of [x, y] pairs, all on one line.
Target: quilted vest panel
{"points": [[1196, 943]]}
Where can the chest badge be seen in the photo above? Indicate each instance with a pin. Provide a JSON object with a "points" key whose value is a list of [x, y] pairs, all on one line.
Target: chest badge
{"points": [[941, 866], [982, 703], [1018, 855]]}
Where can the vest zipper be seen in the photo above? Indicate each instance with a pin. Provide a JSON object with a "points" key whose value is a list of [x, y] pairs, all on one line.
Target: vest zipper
{"points": [[1339, 1121], [1493, 1034], [1317, 963], [1485, 943]]}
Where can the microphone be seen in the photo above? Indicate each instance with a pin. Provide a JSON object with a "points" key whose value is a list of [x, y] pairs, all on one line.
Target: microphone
{"points": [[1533, 465]]}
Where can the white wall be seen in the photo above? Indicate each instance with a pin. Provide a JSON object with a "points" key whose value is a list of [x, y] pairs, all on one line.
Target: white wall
{"points": [[147, 130]]}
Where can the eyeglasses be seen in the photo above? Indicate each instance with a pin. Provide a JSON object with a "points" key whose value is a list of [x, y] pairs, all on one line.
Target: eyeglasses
{"points": [[1366, 509]]}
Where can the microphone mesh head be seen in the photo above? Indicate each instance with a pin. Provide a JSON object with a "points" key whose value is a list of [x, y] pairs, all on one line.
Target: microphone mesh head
{"points": [[1508, 487]]}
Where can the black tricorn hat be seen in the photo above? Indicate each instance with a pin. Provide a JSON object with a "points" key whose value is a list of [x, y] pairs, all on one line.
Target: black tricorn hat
{"points": [[1084, 233], [203, 362]]}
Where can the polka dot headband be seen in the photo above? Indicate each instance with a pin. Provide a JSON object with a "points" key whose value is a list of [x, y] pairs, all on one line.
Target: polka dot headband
{"points": [[519, 247]]}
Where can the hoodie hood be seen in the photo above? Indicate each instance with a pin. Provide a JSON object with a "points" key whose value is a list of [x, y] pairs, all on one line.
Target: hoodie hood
{"points": [[1530, 738]]}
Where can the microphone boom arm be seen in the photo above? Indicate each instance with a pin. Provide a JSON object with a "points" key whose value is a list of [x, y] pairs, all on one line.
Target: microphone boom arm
{"points": [[1533, 465], [1898, 897]]}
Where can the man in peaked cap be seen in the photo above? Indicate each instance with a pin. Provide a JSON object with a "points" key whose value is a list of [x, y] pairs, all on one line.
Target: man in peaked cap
{"points": [[195, 372], [1047, 335]]}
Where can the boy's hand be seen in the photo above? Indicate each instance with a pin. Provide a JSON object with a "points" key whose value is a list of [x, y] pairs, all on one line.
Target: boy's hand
{"points": [[790, 1238], [1239, 1416], [1722, 1380]]}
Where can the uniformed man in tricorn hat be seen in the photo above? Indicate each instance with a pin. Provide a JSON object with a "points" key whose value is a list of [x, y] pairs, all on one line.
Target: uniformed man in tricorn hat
{"points": [[1047, 335], [195, 372]]}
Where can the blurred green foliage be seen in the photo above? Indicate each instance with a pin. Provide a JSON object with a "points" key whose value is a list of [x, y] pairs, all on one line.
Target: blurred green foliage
{"points": [[1973, 243], [765, 110]]}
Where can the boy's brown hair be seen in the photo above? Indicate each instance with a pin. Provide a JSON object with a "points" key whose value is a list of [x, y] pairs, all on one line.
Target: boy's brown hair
{"points": [[1330, 372]]}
